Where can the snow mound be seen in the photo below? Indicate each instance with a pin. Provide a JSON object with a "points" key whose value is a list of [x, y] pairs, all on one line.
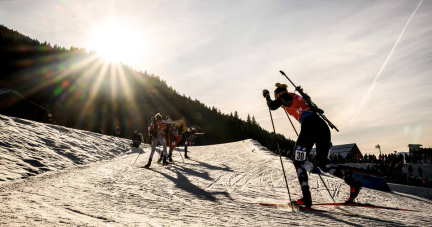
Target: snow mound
{"points": [[28, 148]]}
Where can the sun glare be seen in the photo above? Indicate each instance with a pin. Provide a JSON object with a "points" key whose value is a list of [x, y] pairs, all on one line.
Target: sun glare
{"points": [[116, 43]]}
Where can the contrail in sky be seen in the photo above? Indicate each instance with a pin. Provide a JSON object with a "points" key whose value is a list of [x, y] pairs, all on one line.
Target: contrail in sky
{"points": [[385, 63]]}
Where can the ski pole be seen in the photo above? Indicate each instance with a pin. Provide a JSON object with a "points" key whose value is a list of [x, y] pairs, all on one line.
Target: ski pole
{"points": [[319, 174], [280, 157], [180, 155], [137, 157]]}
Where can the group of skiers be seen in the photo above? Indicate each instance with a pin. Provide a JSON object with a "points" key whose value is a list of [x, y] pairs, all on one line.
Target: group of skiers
{"points": [[168, 134], [314, 130]]}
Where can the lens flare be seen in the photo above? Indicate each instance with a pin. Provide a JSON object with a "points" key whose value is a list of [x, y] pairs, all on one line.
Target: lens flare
{"points": [[116, 42]]}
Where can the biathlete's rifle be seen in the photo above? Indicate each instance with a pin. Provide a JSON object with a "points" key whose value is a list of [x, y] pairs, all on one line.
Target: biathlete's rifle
{"points": [[312, 105]]}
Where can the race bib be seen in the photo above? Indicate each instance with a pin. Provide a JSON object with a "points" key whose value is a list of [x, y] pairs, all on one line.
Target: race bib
{"points": [[300, 155]]}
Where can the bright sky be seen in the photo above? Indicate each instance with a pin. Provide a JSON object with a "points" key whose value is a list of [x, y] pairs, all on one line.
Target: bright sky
{"points": [[368, 64]]}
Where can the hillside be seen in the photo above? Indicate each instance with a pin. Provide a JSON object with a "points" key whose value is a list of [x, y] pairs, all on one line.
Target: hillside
{"points": [[220, 186], [83, 91]]}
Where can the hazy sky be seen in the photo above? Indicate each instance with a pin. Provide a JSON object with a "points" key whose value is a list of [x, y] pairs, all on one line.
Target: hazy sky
{"points": [[224, 53]]}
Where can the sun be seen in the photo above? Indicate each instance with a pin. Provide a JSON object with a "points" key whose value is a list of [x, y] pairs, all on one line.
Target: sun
{"points": [[115, 42]]}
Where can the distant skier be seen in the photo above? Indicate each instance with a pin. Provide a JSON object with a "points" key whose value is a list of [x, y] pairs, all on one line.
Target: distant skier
{"points": [[192, 139], [173, 140], [183, 129], [167, 137], [117, 132], [50, 118], [136, 139], [158, 135], [314, 130]]}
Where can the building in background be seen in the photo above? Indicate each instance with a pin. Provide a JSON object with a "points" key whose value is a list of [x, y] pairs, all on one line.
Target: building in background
{"points": [[346, 151]]}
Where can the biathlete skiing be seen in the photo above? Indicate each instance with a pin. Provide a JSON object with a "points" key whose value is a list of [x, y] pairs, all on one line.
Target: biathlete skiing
{"points": [[182, 130], [158, 135], [174, 139], [314, 130]]}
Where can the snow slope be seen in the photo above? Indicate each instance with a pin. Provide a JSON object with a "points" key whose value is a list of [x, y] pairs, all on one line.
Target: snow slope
{"points": [[217, 187], [28, 148]]}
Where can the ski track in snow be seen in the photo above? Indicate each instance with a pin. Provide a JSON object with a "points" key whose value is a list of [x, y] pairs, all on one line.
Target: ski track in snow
{"points": [[56, 176]]}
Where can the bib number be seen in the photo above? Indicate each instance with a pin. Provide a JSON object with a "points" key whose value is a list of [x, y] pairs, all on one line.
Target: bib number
{"points": [[300, 155]]}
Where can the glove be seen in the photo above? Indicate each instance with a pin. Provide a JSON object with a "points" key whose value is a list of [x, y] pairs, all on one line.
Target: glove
{"points": [[266, 93]]}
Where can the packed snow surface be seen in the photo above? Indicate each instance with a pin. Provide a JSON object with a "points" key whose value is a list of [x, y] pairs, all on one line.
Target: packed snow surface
{"points": [[56, 176]]}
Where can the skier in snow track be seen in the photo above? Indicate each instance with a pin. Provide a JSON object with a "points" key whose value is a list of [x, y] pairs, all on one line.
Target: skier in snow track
{"points": [[136, 139], [182, 129], [50, 118], [174, 139], [192, 139], [118, 132], [314, 130], [167, 137], [158, 135]]}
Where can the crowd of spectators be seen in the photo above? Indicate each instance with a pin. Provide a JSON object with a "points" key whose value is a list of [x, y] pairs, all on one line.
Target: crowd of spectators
{"points": [[386, 158], [389, 166], [392, 172]]}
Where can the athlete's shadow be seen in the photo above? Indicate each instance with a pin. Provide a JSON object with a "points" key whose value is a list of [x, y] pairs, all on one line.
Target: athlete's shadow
{"points": [[183, 183], [211, 167], [337, 218]]}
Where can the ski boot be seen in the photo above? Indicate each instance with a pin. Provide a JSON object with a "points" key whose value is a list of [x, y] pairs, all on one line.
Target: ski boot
{"points": [[186, 156], [148, 164], [355, 187], [307, 199], [159, 160], [164, 161], [170, 157]]}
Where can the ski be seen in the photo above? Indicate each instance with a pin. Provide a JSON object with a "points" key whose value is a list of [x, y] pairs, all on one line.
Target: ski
{"points": [[158, 166], [296, 206], [303, 208], [366, 205], [263, 204]]}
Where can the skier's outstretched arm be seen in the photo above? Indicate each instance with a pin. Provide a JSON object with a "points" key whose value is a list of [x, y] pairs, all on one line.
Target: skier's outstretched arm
{"points": [[273, 104]]}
